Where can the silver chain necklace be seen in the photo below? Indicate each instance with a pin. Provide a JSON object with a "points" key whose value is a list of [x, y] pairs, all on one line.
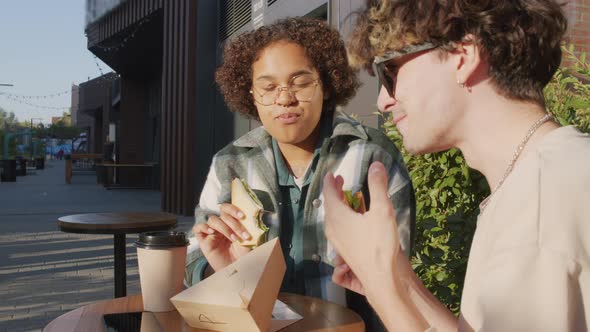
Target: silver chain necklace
{"points": [[517, 153]]}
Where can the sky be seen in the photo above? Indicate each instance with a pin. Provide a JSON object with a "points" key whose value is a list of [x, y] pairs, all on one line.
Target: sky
{"points": [[43, 52]]}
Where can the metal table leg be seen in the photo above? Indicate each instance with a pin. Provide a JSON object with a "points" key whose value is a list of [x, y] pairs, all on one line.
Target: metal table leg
{"points": [[120, 266]]}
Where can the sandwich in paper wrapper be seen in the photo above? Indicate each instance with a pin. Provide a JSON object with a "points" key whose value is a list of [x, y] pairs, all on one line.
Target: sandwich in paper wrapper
{"points": [[243, 295]]}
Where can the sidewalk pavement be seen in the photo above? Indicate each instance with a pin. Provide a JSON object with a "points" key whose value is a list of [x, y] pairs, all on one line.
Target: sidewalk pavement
{"points": [[45, 273]]}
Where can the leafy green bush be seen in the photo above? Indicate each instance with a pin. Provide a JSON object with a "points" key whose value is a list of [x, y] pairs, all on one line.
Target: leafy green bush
{"points": [[448, 192], [568, 93]]}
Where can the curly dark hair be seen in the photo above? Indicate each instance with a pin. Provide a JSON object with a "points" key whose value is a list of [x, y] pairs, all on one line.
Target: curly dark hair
{"points": [[520, 39], [322, 44]]}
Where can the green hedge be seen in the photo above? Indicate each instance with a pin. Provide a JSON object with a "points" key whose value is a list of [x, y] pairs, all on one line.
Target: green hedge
{"points": [[448, 192], [568, 94]]}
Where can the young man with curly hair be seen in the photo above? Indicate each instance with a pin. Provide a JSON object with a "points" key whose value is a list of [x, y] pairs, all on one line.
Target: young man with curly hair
{"points": [[470, 74], [291, 76]]}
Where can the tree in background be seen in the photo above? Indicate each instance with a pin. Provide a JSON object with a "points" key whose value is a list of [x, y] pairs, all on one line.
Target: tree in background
{"points": [[61, 130], [8, 120], [448, 192]]}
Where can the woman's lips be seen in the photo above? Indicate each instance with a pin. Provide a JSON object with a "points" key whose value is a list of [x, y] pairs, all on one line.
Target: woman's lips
{"points": [[288, 118]]}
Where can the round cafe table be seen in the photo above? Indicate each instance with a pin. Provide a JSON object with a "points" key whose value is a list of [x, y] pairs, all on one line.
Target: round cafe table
{"points": [[318, 316], [119, 224]]}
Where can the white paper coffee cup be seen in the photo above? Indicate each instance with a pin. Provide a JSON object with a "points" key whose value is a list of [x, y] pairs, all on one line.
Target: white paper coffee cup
{"points": [[161, 260]]}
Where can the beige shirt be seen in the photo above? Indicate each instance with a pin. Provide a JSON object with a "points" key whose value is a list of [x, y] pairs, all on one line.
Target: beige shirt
{"points": [[529, 265]]}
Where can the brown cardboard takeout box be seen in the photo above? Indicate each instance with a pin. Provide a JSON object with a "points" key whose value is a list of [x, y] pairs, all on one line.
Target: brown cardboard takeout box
{"points": [[239, 297]]}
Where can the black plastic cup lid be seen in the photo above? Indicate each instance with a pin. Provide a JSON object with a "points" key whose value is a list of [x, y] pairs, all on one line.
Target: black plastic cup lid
{"points": [[160, 240]]}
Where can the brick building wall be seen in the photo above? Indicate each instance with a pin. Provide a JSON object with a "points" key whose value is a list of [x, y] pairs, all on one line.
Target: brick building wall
{"points": [[578, 14]]}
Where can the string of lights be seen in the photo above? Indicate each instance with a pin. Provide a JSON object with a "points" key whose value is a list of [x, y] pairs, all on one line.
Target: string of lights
{"points": [[126, 39], [104, 78], [12, 95], [97, 65], [107, 78], [35, 105]]}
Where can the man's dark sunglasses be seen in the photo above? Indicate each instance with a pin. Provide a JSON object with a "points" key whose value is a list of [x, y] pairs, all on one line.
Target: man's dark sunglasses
{"points": [[387, 78]]}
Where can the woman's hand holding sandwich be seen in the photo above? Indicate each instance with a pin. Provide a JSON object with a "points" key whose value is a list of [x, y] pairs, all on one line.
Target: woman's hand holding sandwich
{"points": [[219, 237]]}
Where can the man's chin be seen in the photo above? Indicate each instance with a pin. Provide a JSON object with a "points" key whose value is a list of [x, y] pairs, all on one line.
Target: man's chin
{"points": [[416, 149], [413, 151]]}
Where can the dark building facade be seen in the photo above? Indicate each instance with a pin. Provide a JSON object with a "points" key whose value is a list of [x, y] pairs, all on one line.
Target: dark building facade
{"points": [[93, 111], [151, 44]]}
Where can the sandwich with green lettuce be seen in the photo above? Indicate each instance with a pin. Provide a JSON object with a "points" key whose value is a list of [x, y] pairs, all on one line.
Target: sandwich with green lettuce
{"points": [[246, 200]]}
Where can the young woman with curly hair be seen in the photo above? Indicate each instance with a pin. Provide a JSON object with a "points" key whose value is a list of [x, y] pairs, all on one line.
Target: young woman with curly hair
{"points": [[291, 76], [470, 74]]}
